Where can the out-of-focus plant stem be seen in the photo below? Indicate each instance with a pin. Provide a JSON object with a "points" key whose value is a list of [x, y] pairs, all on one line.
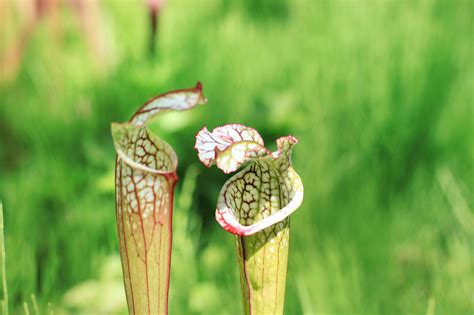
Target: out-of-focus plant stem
{"points": [[4, 268]]}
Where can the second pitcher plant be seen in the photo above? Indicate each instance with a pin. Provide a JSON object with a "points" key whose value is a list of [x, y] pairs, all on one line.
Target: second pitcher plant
{"points": [[255, 205]]}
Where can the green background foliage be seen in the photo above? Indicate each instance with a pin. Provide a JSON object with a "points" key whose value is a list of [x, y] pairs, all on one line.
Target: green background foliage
{"points": [[380, 95]]}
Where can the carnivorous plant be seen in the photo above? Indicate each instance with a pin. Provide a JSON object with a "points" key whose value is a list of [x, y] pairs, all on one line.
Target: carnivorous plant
{"points": [[255, 205], [145, 178]]}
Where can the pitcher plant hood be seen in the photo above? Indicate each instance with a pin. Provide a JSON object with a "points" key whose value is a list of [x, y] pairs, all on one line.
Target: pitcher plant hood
{"points": [[266, 191]]}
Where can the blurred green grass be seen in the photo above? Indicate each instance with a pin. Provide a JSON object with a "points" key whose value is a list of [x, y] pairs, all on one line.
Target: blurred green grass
{"points": [[380, 96]]}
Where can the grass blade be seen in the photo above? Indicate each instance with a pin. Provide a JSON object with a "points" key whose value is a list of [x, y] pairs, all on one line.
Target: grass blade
{"points": [[4, 268]]}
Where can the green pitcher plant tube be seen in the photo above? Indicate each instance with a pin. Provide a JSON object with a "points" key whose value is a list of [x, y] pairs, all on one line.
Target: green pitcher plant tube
{"points": [[145, 177], [255, 205]]}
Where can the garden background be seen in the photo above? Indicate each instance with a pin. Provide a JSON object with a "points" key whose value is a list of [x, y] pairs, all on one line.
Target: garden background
{"points": [[379, 93]]}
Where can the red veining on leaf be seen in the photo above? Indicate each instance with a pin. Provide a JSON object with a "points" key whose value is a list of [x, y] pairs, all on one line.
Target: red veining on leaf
{"points": [[172, 185], [122, 235], [145, 182], [196, 89], [230, 146], [136, 210], [144, 241], [161, 103], [255, 205], [209, 144]]}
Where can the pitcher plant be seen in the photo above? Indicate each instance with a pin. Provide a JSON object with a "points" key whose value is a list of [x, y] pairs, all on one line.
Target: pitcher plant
{"points": [[255, 205], [145, 179]]}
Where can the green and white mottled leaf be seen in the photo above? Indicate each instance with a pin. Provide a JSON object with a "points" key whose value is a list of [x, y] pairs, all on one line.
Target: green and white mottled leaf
{"points": [[176, 101], [229, 146], [144, 184]]}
